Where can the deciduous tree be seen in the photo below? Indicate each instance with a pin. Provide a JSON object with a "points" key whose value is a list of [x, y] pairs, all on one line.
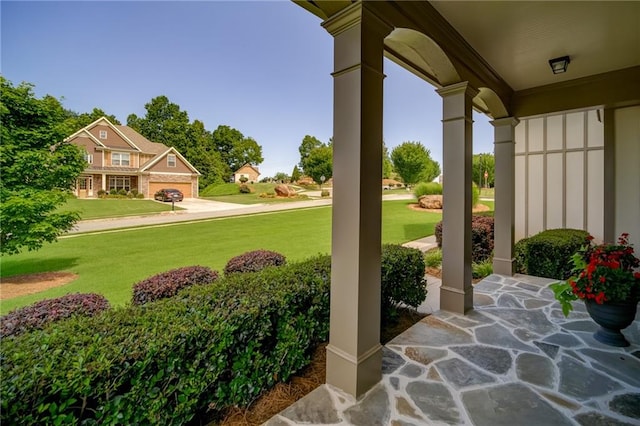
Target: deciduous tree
{"points": [[484, 163], [37, 169], [309, 143], [295, 174], [412, 161], [319, 163]]}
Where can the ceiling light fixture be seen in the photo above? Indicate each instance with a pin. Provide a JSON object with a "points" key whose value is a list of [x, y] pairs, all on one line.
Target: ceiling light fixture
{"points": [[559, 65]]}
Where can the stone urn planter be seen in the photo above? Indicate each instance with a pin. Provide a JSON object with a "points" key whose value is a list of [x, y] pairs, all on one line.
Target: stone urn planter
{"points": [[612, 318], [607, 277]]}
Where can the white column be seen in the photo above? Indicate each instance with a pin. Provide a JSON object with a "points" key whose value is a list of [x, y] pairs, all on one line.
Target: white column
{"points": [[456, 292], [354, 354], [504, 224]]}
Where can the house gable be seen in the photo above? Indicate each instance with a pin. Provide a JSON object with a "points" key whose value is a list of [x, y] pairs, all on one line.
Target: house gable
{"points": [[161, 163], [247, 171]]}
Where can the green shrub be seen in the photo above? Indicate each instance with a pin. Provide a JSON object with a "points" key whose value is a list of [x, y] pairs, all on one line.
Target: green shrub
{"points": [[166, 362], [163, 362], [243, 179], [427, 188], [433, 258], [548, 254], [140, 196], [482, 269], [403, 279], [102, 193], [475, 194], [325, 193], [244, 189]]}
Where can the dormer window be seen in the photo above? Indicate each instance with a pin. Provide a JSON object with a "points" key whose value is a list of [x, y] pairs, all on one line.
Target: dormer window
{"points": [[103, 134], [171, 160]]}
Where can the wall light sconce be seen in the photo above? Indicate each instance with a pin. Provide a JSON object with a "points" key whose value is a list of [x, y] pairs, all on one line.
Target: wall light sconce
{"points": [[559, 65]]}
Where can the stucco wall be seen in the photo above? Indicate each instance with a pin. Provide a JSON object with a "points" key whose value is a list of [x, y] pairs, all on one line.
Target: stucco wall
{"points": [[559, 168]]}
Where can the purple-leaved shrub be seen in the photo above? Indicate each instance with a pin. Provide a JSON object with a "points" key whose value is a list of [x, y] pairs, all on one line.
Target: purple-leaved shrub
{"points": [[167, 284], [39, 314], [481, 237], [254, 261]]}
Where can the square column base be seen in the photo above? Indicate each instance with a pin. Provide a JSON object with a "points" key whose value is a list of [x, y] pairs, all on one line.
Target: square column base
{"points": [[354, 376], [455, 300], [503, 266]]}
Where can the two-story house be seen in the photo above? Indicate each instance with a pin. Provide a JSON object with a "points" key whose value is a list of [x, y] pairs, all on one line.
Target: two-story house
{"points": [[118, 158]]}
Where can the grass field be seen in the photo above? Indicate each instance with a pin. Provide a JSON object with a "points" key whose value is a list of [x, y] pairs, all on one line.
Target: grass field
{"points": [[110, 263], [103, 208]]}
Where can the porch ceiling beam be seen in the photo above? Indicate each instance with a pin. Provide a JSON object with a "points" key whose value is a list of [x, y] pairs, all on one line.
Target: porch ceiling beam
{"points": [[613, 89], [323, 9], [423, 17]]}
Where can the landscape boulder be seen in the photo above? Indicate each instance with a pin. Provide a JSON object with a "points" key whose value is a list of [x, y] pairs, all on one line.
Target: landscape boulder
{"points": [[284, 191], [430, 201]]}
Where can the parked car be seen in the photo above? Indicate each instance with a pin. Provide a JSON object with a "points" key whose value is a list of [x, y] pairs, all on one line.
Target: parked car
{"points": [[169, 195]]}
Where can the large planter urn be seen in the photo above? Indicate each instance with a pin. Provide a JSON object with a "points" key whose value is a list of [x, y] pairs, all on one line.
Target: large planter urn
{"points": [[612, 317]]}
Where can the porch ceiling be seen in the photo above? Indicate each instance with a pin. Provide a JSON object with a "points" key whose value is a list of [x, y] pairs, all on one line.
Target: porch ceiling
{"points": [[506, 46], [518, 38]]}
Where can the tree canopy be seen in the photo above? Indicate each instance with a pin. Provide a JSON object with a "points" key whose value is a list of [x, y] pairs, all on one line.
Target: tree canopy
{"points": [[215, 154], [387, 165], [319, 163], [37, 169], [316, 158], [308, 144], [412, 161], [484, 163]]}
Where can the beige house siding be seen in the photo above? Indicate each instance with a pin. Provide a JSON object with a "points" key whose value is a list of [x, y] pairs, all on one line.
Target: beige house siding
{"points": [[627, 173], [161, 166], [559, 166], [248, 172], [113, 138]]}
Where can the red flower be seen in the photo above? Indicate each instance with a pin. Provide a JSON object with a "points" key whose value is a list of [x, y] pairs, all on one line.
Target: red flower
{"points": [[600, 298]]}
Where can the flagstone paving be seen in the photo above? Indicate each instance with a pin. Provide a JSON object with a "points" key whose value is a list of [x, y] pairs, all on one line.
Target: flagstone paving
{"points": [[513, 360]]}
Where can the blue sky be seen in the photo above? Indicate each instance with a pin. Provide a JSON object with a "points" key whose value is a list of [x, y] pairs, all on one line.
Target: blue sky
{"points": [[261, 67]]}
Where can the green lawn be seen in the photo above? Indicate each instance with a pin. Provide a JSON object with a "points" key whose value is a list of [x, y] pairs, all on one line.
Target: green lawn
{"points": [[229, 193], [487, 192], [110, 263], [104, 208]]}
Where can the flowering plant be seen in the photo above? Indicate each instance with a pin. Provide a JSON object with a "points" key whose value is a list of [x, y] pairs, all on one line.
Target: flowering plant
{"points": [[603, 273]]}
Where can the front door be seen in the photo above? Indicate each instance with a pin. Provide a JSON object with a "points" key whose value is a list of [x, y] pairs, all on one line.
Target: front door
{"points": [[85, 186]]}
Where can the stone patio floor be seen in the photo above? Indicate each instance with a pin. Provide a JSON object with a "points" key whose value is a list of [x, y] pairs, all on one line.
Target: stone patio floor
{"points": [[513, 360]]}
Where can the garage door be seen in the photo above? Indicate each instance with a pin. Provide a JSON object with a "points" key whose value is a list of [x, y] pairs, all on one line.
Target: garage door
{"points": [[184, 187]]}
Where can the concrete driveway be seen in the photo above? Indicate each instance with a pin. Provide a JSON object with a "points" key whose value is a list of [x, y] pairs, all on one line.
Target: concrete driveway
{"points": [[199, 205]]}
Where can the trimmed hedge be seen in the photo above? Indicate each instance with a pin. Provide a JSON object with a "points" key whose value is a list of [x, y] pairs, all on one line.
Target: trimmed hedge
{"points": [[482, 237], [402, 279], [254, 261], [45, 312], [548, 254], [166, 362], [167, 284], [162, 362]]}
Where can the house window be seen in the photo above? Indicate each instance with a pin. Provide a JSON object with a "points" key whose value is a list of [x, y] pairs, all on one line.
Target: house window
{"points": [[171, 160], [88, 157], [103, 134], [119, 182], [119, 158]]}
